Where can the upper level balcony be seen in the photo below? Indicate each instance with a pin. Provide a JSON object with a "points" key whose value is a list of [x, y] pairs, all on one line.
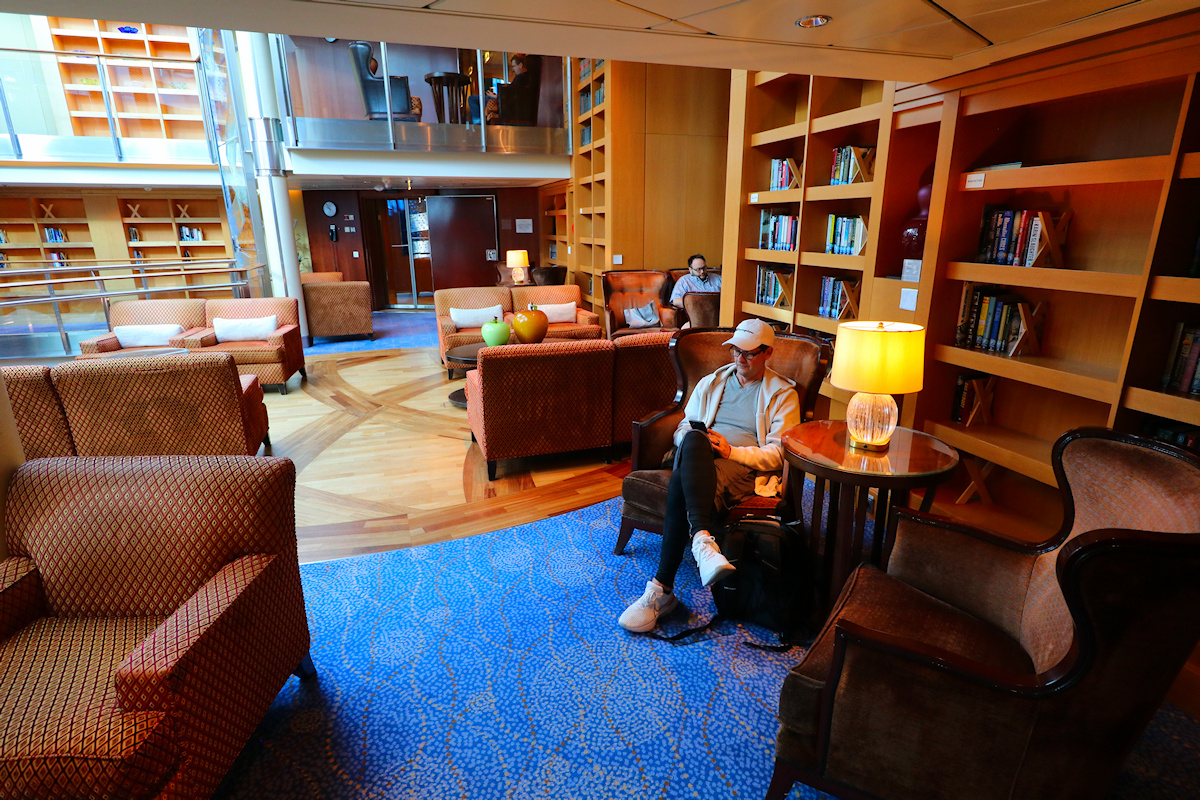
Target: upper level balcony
{"points": [[335, 97]]}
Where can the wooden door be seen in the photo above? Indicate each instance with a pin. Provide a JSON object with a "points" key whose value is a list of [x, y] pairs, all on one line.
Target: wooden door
{"points": [[462, 228]]}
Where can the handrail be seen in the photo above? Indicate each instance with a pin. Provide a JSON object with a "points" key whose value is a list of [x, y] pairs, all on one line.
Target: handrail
{"points": [[118, 265], [110, 56], [238, 287]]}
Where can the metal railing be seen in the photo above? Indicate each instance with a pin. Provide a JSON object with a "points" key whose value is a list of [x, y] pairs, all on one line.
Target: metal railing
{"points": [[43, 107], [238, 284]]}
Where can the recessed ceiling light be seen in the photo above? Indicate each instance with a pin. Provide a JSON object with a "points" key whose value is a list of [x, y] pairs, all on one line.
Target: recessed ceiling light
{"points": [[815, 21]]}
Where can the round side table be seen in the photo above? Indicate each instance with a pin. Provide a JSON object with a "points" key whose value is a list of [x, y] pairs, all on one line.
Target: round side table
{"points": [[913, 460]]}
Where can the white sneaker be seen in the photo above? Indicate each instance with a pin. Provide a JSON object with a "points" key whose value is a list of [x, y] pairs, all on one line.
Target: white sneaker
{"points": [[643, 614], [713, 566]]}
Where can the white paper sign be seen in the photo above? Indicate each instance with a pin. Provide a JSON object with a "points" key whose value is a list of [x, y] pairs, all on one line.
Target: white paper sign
{"points": [[975, 180], [754, 197], [911, 271], [908, 299], [524, 226]]}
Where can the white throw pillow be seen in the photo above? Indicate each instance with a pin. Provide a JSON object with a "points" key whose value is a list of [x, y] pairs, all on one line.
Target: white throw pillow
{"points": [[475, 317], [255, 329], [146, 335], [558, 312], [644, 317]]}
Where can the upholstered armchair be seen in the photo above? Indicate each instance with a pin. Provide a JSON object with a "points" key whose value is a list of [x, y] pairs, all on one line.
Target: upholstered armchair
{"points": [[643, 380], [695, 353], [702, 309], [191, 404], [449, 335], [534, 399], [189, 314], [979, 665], [405, 108], [549, 276], [150, 611], [38, 411], [273, 360], [626, 289], [586, 324], [336, 307]]}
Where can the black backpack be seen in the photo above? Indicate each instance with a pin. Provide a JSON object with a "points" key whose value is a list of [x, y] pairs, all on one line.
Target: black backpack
{"points": [[772, 586]]}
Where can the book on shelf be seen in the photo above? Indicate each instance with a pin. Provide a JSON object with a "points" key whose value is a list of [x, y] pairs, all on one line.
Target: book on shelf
{"points": [[1017, 238], [55, 235], [838, 297], [585, 101], [990, 319], [554, 250], [777, 231], [773, 287], [1180, 434], [1180, 373], [997, 167], [598, 96], [852, 165], [783, 174], [57, 259], [845, 236], [133, 233], [3, 236], [964, 395]]}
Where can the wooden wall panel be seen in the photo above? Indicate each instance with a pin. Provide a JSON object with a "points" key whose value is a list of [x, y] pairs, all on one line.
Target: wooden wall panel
{"points": [[684, 203], [329, 256]]}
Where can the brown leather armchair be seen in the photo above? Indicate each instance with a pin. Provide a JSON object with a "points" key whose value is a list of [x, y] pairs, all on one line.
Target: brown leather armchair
{"points": [[982, 666], [336, 307], [625, 289], [695, 353]]}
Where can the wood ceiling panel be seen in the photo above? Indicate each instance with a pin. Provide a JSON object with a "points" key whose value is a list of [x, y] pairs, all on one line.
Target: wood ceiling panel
{"points": [[775, 20], [946, 39], [678, 9], [1016, 21], [604, 13]]}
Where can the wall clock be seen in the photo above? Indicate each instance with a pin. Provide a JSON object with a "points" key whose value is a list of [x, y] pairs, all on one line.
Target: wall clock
{"points": [[329, 208]]}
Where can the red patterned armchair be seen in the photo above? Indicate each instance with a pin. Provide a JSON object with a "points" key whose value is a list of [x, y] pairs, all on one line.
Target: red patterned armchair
{"points": [[274, 360], [336, 307], [187, 313], [533, 399], [38, 411], [626, 289], [150, 611], [977, 665]]}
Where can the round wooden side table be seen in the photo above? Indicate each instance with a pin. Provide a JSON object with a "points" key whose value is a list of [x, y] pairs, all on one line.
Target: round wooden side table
{"points": [[913, 460]]}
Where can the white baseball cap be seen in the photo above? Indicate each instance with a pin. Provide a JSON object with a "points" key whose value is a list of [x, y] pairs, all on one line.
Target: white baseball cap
{"points": [[752, 334]]}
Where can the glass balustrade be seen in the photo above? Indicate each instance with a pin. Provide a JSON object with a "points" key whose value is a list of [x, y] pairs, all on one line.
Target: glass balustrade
{"points": [[336, 97]]}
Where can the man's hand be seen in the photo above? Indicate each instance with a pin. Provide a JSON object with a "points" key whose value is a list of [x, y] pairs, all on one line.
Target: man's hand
{"points": [[719, 444]]}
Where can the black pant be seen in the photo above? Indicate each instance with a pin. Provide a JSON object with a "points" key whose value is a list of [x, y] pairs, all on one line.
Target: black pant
{"points": [[691, 501]]}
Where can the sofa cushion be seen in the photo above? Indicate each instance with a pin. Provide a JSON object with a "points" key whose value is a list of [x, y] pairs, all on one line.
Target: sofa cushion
{"points": [[880, 602], [146, 335], [253, 329], [558, 312], [475, 317], [249, 352], [65, 735]]}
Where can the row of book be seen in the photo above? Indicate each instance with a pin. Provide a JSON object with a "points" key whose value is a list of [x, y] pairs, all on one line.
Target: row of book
{"points": [[585, 135], [586, 65], [585, 101], [845, 236], [777, 231], [989, 319], [55, 234], [835, 296], [768, 287], [187, 234], [1180, 373], [1179, 434], [781, 174], [58, 259], [964, 395], [3, 236], [852, 165], [1009, 237]]}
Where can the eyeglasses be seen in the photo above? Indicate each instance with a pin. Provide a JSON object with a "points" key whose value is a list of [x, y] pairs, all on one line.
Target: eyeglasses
{"points": [[738, 352]]}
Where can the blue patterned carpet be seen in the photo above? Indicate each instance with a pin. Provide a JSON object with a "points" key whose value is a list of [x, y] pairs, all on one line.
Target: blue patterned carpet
{"points": [[393, 329], [493, 667]]}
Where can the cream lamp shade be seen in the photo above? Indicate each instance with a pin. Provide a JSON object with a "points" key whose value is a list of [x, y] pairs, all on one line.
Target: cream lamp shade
{"points": [[877, 360], [518, 263]]}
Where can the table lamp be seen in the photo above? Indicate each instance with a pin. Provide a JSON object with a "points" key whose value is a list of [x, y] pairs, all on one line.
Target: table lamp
{"points": [[518, 264], [876, 360]]}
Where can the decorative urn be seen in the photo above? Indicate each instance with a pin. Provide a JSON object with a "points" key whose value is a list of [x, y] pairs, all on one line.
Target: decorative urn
{"points": [[531, 325], [496, 332]]}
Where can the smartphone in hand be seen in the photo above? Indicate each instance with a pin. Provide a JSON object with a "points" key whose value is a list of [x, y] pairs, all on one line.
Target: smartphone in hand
{"points": [[697, 425]]}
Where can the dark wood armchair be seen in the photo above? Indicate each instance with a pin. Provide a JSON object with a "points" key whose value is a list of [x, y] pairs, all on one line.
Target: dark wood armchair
{"points": [[696, 352], [983, 666]]}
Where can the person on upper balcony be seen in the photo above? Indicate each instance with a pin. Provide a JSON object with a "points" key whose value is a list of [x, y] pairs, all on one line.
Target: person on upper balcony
{"points": [[698, 279]]}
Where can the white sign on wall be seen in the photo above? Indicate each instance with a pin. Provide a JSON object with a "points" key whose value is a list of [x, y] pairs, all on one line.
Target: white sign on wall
{"points": [[525, 226]]}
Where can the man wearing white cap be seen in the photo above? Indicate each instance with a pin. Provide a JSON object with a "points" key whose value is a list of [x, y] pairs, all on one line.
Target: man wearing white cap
{"points": [[728, 444]]}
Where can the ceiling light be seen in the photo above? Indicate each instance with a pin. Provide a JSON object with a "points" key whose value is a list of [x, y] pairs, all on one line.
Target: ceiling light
{"points": [[379, 187], [410, 183], [815, 21]]}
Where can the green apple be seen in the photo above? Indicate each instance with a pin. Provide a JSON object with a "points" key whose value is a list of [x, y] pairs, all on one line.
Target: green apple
{"points": [[496, 332]]}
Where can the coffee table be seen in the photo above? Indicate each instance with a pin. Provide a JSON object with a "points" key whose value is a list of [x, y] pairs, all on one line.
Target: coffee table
{"points": [[466, 357]]}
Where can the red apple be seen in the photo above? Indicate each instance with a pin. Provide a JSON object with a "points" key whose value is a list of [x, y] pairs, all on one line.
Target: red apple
{"points": [[530, 326]]}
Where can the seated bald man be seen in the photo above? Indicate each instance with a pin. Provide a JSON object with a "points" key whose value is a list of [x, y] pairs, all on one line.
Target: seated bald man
{"points": [[740, 412]]}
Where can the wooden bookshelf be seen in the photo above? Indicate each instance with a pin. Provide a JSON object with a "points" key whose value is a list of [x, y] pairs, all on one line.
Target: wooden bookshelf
{"points": [[554, 205], [156, 99], [634, 162]]}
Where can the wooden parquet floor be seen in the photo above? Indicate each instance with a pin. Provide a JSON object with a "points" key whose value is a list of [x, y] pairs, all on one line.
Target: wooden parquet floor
{"points": [[384, 461]]}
